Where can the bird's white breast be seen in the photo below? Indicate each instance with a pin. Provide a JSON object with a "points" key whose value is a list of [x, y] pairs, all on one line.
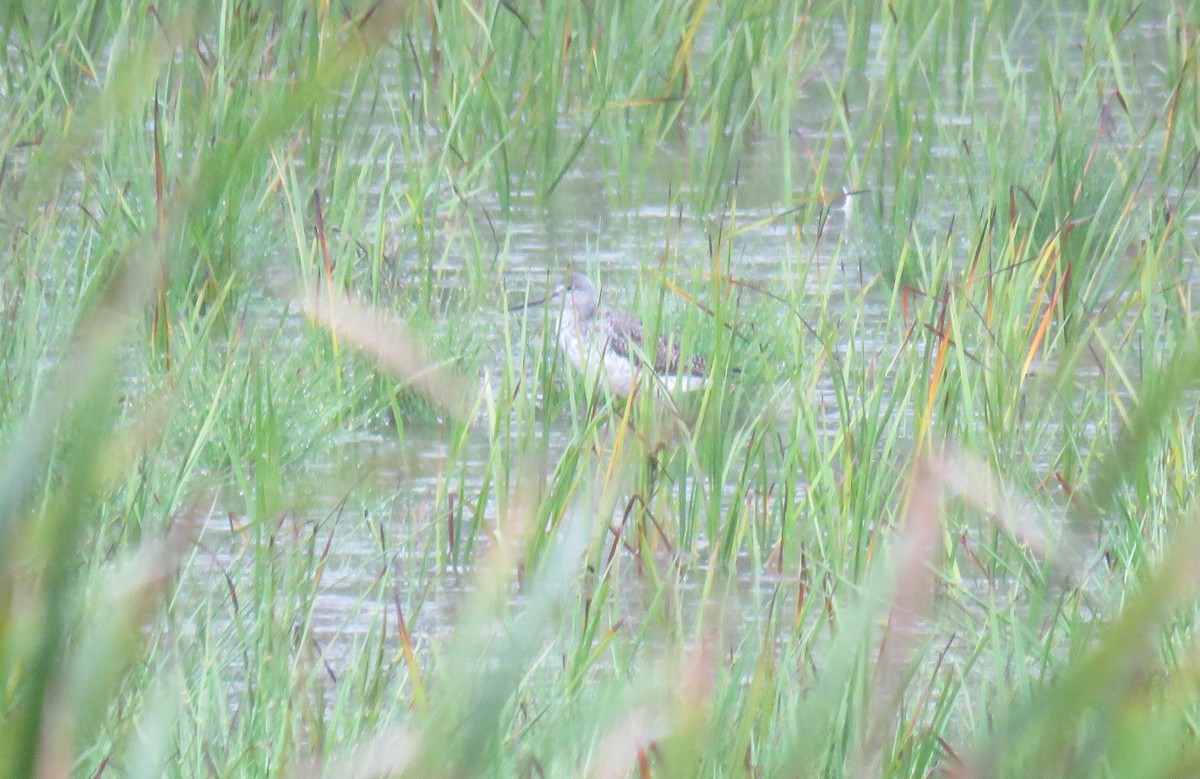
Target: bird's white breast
{"points": [[586, 345]]}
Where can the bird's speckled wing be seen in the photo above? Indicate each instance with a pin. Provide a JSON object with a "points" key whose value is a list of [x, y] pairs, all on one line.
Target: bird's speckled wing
{"points": [[624, 329], [621, 330]]}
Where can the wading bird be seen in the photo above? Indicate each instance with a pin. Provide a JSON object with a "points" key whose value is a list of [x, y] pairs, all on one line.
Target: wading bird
{"points": [[600, 341]]}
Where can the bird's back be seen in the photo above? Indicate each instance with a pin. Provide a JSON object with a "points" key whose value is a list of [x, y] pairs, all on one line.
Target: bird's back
{"points": [[627, 338]]}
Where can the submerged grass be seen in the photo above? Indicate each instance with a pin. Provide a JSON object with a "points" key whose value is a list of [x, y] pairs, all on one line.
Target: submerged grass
{"points": [[284, 490]]}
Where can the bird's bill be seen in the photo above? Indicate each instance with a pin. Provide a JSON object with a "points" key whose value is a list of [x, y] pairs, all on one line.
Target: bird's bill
{"points": [[524, 304]]}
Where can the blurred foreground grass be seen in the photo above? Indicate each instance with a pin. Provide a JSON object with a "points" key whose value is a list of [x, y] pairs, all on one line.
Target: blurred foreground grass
{"points": [[934, 517]]}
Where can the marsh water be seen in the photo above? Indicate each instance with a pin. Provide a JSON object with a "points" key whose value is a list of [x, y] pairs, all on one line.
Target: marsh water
{"points": [[387, 514]]}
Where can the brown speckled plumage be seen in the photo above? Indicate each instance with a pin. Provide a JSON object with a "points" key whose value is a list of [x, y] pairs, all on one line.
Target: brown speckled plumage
{"points": [[592, 335]]}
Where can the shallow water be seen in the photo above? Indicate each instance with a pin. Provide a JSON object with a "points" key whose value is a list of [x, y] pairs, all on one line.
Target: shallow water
{"points": [[403, 483]]}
